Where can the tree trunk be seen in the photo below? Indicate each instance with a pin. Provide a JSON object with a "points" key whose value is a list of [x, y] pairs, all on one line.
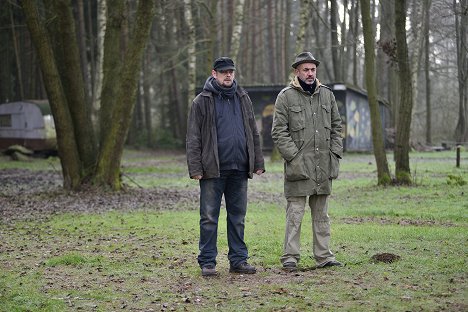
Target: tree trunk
{"points": [[67, 146], [416, 49], [192, 57], [98, 74], [386, 38], [427, 66], [112, 63], [402, 146], [92, 48], [344, 45], [108, 168], [73, 85], [285, 43], [254, 40], [17, 58], [304, 16], [461, 21], [383, 172], [334, 41], [147, 101], [237, 30], [271, 35], [83, 55], [356, 34]]}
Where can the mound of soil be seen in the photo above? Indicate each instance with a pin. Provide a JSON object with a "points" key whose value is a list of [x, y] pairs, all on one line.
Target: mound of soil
{"points": [[385, 257]]}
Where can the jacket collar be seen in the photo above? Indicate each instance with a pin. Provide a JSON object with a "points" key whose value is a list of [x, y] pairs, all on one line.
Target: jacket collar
{"points": [[296, 85], [240, 92]]}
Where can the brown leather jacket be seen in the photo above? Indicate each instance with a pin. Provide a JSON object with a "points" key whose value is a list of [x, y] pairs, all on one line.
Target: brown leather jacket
{"points": [[201, 139]]}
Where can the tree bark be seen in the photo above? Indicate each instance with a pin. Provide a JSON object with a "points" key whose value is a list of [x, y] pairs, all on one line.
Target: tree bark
{"points": [[67, 146], [98, 74], [383, 172], [74, 86], [108, 168], [402, 146], [191, 51], [461, 21], [237, 30], [427, 66], [83, 55], [356, 34], [334, 41], [17, 56], [112, 63], [147, 101], [304, 16]]}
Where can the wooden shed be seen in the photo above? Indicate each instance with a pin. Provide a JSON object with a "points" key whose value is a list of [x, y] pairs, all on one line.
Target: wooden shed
{"points": [[29, 124], [352, 104]]}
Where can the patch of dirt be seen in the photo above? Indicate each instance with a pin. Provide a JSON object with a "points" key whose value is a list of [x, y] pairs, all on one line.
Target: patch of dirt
{"points": [[381, 220], [385, 257], [37, 195]]}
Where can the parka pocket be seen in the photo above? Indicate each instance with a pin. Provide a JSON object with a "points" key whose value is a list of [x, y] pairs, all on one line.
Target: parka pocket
{"points": [[297, 125], [296, 118], [334, 166], [295, 170]]}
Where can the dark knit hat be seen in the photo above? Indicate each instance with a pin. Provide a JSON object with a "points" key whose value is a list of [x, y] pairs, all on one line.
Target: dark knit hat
{"points": [[305, 57], [223, 63]]}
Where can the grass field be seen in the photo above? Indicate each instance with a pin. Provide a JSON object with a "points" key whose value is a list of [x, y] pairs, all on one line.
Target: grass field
{"points": [[137, 251]]}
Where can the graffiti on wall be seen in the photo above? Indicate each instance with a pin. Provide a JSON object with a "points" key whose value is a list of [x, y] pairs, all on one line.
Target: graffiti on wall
{"points": [[358, 127]]}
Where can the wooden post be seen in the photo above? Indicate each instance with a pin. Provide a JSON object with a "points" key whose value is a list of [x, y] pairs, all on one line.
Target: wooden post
{"points": [[458, 155]]}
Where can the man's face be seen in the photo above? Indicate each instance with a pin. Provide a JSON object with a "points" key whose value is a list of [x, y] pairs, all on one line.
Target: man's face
{"points": [[224, 78], [306, 72]]}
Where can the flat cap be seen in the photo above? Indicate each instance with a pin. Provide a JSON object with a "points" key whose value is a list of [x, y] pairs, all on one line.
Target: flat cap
{"points": [[304, 57], [223, 63]]}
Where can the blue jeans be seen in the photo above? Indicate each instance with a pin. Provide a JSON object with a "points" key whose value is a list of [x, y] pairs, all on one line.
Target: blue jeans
{"points": [[233, 184]]}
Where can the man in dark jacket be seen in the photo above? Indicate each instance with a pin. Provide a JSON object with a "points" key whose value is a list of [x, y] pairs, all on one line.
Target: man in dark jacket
{"points": [[223, 151], [307, 131]]}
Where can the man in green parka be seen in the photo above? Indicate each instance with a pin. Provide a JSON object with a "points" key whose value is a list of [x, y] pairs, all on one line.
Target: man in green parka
{"points": [[307, 132]]}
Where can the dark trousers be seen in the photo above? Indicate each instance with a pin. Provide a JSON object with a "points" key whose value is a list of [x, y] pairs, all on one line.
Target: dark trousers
{"points": [[233, 185]]}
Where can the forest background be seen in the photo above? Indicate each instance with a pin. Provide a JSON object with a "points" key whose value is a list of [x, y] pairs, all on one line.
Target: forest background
{"points": [[166, 49]]}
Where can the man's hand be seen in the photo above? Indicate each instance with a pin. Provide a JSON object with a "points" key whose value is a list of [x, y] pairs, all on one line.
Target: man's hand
{"points": [[259, 171], [197, 177]]}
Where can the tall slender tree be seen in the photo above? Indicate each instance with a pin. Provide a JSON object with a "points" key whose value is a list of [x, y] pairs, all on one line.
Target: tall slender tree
{"points": [[427, 67], [383, 172], [335, 48], [402, 141], [461, 21]]}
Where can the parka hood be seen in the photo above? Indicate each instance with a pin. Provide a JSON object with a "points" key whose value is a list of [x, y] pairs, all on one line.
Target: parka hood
{"points": [[296, 85]]}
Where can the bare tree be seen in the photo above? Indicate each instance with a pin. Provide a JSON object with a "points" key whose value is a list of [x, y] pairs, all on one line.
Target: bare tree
{"points": [[101, 30], [383, 172], [427, 65], [67, 145], [402, 146], [304, 22], [461, 21], [192, 58], [65, 90], [17, 53], [335, 48], [237, 30], [82, 45]]}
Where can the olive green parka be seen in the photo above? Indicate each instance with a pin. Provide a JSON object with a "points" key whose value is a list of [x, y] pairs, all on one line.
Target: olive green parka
{"points": [[307, 132]]}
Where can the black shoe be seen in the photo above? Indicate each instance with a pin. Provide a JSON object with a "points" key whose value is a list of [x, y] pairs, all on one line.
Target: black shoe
{"points": [[209, 270], [243, 268], [330, 264], [290, 266]]}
